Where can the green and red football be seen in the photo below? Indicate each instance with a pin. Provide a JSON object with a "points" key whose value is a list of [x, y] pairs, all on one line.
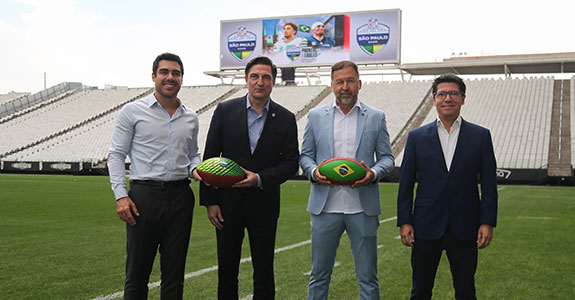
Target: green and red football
{"points": [[220, 172], [343, 171]]}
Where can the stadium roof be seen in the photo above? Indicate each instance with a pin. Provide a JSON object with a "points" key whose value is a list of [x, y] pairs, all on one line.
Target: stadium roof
{"points": [[500, 64], [546, 63]]}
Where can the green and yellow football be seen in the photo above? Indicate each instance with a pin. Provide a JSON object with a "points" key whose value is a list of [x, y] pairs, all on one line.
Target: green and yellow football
{"points": [[220, 172], [342, 171]]}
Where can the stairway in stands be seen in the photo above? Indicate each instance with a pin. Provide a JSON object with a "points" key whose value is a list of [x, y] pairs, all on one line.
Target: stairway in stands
{"points": [[560, 140], [415, 121]]}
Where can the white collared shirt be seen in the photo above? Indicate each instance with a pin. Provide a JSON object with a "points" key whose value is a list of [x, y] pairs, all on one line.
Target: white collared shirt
{"points": [[160, 146], [449, 139], [344, 199]]}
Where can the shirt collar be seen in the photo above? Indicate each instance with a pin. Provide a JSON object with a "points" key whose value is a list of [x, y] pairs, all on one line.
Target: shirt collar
{"points": [[153, 100], [249, 105], [456, 124], [357, 104]]}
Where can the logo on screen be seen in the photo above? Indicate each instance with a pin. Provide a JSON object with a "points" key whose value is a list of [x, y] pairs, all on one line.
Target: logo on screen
{"points": [[241, 43], [372, 36], [293, 52]]}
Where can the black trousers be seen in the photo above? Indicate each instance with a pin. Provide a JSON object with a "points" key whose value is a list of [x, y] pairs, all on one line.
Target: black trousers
{"points": [[262, 233], [425, 257], [165, 222]]}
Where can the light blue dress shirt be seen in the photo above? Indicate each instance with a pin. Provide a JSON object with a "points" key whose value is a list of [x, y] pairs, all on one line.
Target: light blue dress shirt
{"points": [[256, 123], [160, 147], [256, 126]]}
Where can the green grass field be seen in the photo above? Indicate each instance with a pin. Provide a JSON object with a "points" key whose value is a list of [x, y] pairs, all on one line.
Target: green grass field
{"points": [[61, 239]]}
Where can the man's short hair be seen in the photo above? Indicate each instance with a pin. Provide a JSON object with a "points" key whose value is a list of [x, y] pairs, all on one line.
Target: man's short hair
{"points": [[293, 25], [342, 65], [449, 77], [169, 57], [262, 60]]}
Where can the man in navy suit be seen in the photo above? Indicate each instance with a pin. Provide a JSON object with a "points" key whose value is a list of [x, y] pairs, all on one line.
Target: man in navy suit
{"points": [[447, 157], [345, 128], [261, 136]]}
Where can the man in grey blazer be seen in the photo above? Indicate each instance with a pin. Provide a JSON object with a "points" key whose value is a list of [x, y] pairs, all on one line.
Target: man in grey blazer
{"points": [[345, 128]]}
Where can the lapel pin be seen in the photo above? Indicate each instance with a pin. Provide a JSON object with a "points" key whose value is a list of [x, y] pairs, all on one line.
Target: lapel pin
{"points": [[273, 115]]}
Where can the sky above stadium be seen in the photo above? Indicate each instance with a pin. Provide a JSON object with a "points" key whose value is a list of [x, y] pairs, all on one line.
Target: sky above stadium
{"points": [[99, 42]]}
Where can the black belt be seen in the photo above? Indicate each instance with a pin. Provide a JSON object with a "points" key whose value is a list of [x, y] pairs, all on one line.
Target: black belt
{"points": [[162, 184]]}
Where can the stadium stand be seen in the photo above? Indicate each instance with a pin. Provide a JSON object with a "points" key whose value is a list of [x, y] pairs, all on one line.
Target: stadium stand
{"points": [[397, 99], [46, 121], [522, 114], [88, 143], [518, 113], [572, 120], [560, 144], [11, 96], [21, 103], [197, 97]]}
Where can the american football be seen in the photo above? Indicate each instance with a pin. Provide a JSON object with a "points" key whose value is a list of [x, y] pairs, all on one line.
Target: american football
{"points": [[220, 172], [343, 171]]}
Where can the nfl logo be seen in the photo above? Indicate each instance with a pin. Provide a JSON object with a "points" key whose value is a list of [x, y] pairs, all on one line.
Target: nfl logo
{"points": [[372, 36], [242, 43], [242, 31]]}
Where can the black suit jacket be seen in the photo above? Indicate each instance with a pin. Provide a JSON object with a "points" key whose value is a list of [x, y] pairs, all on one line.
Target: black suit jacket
{"points": [[275, 157], [448, 198]]}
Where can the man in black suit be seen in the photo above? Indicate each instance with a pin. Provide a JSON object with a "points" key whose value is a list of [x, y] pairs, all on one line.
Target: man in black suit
{"points": [[446, 157], [261, 136]]}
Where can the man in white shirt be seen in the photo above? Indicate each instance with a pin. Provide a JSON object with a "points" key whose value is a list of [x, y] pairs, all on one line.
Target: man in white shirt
{"points": [[160, 135], [290, 40], [345, 128], [446, 157]]}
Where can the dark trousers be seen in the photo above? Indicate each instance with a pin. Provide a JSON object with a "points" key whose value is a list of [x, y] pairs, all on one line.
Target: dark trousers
{"points": [[165, 222], [425, 257], [262, 233]]}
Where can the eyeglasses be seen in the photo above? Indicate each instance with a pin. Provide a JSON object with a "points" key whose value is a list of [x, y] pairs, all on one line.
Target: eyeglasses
{"points": [[443, 94]]}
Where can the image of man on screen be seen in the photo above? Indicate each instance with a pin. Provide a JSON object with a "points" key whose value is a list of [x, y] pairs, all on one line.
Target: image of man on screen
{"points": [[289, 40], [318, 39]]}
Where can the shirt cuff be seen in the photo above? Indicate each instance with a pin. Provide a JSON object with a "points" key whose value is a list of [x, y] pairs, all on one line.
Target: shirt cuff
{"points": [[375, 179], [312, 176], [191, 175], [259, 185], [120, 193]]}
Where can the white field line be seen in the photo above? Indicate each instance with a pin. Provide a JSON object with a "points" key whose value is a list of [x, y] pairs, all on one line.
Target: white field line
{"points": [[111, 296], [537, 218], [213, 268]]}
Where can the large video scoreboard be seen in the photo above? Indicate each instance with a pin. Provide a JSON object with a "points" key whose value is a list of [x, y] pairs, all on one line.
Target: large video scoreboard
{"points": [[313, 40]]}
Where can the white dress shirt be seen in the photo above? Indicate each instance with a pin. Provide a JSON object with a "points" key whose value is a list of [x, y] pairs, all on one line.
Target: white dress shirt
{"points": [[449, 139], [344, 199], [160, 147]]}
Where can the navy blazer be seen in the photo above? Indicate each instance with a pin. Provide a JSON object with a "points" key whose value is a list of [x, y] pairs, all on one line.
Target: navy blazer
{"points": [[448, 199], [275, 157]]}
